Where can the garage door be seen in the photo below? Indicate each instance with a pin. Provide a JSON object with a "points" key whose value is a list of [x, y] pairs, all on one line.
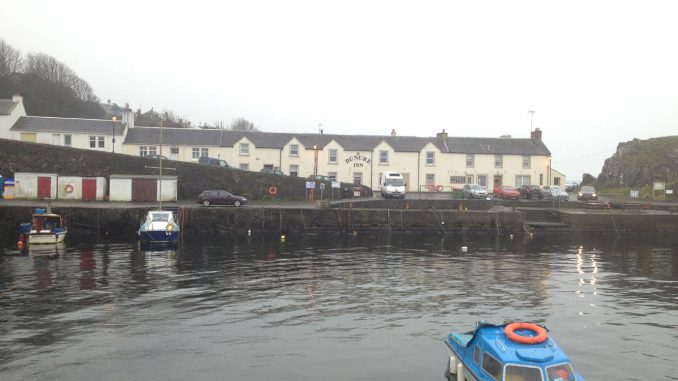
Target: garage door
{"points": [[144, 190]]}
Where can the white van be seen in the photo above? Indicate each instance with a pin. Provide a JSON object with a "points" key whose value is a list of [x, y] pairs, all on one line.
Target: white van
{"points": [[392, 184]]}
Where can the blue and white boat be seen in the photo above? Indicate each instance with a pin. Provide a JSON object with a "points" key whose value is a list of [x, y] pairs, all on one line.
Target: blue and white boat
{"points": [[515, 351], [45, 228], [159, 227]]}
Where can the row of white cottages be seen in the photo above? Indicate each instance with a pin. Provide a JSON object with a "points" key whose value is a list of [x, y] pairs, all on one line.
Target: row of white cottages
{"points": [[448, 162]]}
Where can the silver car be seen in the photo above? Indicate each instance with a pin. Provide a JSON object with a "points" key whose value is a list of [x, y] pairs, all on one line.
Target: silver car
{"points": [[557, 193], [474, 191]]}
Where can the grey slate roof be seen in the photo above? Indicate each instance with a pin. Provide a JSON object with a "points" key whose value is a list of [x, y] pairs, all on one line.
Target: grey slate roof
{"points": [[173, 136], [501, 146], [73, 125], [6, 106]]}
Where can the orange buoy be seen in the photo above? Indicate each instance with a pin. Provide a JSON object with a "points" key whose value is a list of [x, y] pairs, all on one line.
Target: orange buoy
{"points": [[68, 188], [272, 190], [510, 329]]}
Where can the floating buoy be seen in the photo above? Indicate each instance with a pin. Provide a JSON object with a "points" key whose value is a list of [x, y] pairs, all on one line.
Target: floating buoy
{"points": [[272, 190], [464, 249], [20, 244], [282, 238]]}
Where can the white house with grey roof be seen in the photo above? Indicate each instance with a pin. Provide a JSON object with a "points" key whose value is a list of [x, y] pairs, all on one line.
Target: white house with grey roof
{"points": [[427, 163]]}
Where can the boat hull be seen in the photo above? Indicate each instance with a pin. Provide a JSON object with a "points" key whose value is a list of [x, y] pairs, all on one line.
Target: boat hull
{"points": [[46, 238], [158, 237]]}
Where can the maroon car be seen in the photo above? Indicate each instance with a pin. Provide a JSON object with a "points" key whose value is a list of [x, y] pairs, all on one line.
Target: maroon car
{"points": [[220, 197], [506, 192]]}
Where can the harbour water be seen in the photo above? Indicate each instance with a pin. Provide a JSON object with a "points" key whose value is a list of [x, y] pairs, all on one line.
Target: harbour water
{"points": [[361, 307]]}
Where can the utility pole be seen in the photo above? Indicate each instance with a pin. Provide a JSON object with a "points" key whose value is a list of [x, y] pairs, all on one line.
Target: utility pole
{"points": [[531, 117]]}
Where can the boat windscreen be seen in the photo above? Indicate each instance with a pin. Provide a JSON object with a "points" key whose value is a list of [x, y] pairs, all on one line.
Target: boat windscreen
{"points": [[560, 372], [160, 217], [523, 373]]}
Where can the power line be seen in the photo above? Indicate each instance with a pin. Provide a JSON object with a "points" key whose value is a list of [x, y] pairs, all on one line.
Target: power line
{"points": [[585, 156]]}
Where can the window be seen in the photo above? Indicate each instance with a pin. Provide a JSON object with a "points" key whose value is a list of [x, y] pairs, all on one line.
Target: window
{"points": [[332, 156], [152, 150], [526, 162], [470, 160], [482, 180], [244, 167], [294, 150], [357, 178], [143, 151], [332, 175], [491, 366], [430, 179], [244, 149], [204, 152], [476, 355], [526, 373], [430, 158], [541, 179], [556, 372], [68, 140], [92, 142], [294, 170], [498, 161], [556, 181], [383, 157], [469, 179], [522, 180], [457, 179], [195, 153], [174, 150], [100, 142]]}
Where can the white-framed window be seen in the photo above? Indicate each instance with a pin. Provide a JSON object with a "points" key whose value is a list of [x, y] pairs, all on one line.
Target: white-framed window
{"points": [[92, 142], [294, 170], [383, 157], [244, 149], [68, 140], [152, 150], [195, 153], [522, 180], [143, 151], [204, 152], [174, 150], [332, 156], [526, 162], [357, 178], [469, 179], [332, 175], [430, 158], [482, 180], [430, 179], [97, 142], [294, 149], [244, 167], [470, 160], [498, 161], [101, 142], [457, 179]]}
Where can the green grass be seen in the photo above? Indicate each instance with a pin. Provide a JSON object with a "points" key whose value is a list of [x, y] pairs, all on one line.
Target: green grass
{"points": [[624, 193]]}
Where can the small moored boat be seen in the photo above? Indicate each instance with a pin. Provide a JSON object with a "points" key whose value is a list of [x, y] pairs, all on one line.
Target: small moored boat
{"points": [[159, 227], [517, 351], [45, 228]]}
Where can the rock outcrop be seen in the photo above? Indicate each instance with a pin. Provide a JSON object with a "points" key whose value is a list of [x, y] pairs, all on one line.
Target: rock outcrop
{"points": [[638, 163]]}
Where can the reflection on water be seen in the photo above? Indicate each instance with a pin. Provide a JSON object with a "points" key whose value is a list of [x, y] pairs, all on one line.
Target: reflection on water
{"points": [[347, 308]]}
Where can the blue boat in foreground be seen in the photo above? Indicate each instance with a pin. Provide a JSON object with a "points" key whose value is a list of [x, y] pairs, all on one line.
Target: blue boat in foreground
{"points": [[159, 227], [516, 351]]}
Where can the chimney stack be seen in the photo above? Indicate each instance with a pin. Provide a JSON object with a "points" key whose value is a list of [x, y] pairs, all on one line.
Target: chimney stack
{"points": [[393, 133], [536, 135], [442, 135], [17, 98]]}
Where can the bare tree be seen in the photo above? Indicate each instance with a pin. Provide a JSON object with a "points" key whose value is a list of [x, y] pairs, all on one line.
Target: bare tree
{"points": [[242, 124], [10, 59]]}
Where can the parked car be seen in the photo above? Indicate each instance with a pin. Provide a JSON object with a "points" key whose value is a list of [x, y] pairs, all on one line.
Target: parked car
{"points": [[156, 157], [587, 193], [212, 161], [474, 191], [220, 197], [557, 193], [319, 178], [272, 171], [532, 191], [506, 191]]}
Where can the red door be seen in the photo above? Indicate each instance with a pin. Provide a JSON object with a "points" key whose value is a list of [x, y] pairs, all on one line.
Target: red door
{"points": [[89, 189], [44, 187]]}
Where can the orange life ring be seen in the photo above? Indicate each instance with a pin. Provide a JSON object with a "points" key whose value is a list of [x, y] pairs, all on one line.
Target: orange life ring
{"points": [[439, 188], [68, 188], [272, 190], [510, 329]]}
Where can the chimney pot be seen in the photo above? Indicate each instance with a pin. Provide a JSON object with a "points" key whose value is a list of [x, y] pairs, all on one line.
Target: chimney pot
{"points": [[393, 133]]}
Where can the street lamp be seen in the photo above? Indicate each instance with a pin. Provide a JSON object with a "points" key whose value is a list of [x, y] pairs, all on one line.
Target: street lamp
{"points": [[114, 119], [315, 160]]}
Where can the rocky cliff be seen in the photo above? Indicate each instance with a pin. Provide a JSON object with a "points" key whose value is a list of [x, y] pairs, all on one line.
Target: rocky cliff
{"points": [[640, 162]]}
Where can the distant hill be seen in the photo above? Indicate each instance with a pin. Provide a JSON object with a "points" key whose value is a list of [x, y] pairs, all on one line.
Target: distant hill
{"points": [[640, 162]]}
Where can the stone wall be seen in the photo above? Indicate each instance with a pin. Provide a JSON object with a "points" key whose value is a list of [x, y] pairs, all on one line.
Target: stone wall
{"points": [[18, 156]]}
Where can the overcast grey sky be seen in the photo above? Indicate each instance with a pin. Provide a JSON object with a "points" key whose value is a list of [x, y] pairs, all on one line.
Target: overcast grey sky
{"points": [[596, 72]]}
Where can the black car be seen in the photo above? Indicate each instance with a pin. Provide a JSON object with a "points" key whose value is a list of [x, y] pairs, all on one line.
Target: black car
{"points": [[272, 171], [319, 178], [587, 193], [531, 191], [156, 157], [212, 161], [220, 197]]}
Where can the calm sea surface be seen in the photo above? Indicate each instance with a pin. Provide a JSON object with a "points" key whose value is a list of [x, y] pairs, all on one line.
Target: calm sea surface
{"points": [[347, 308]]}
